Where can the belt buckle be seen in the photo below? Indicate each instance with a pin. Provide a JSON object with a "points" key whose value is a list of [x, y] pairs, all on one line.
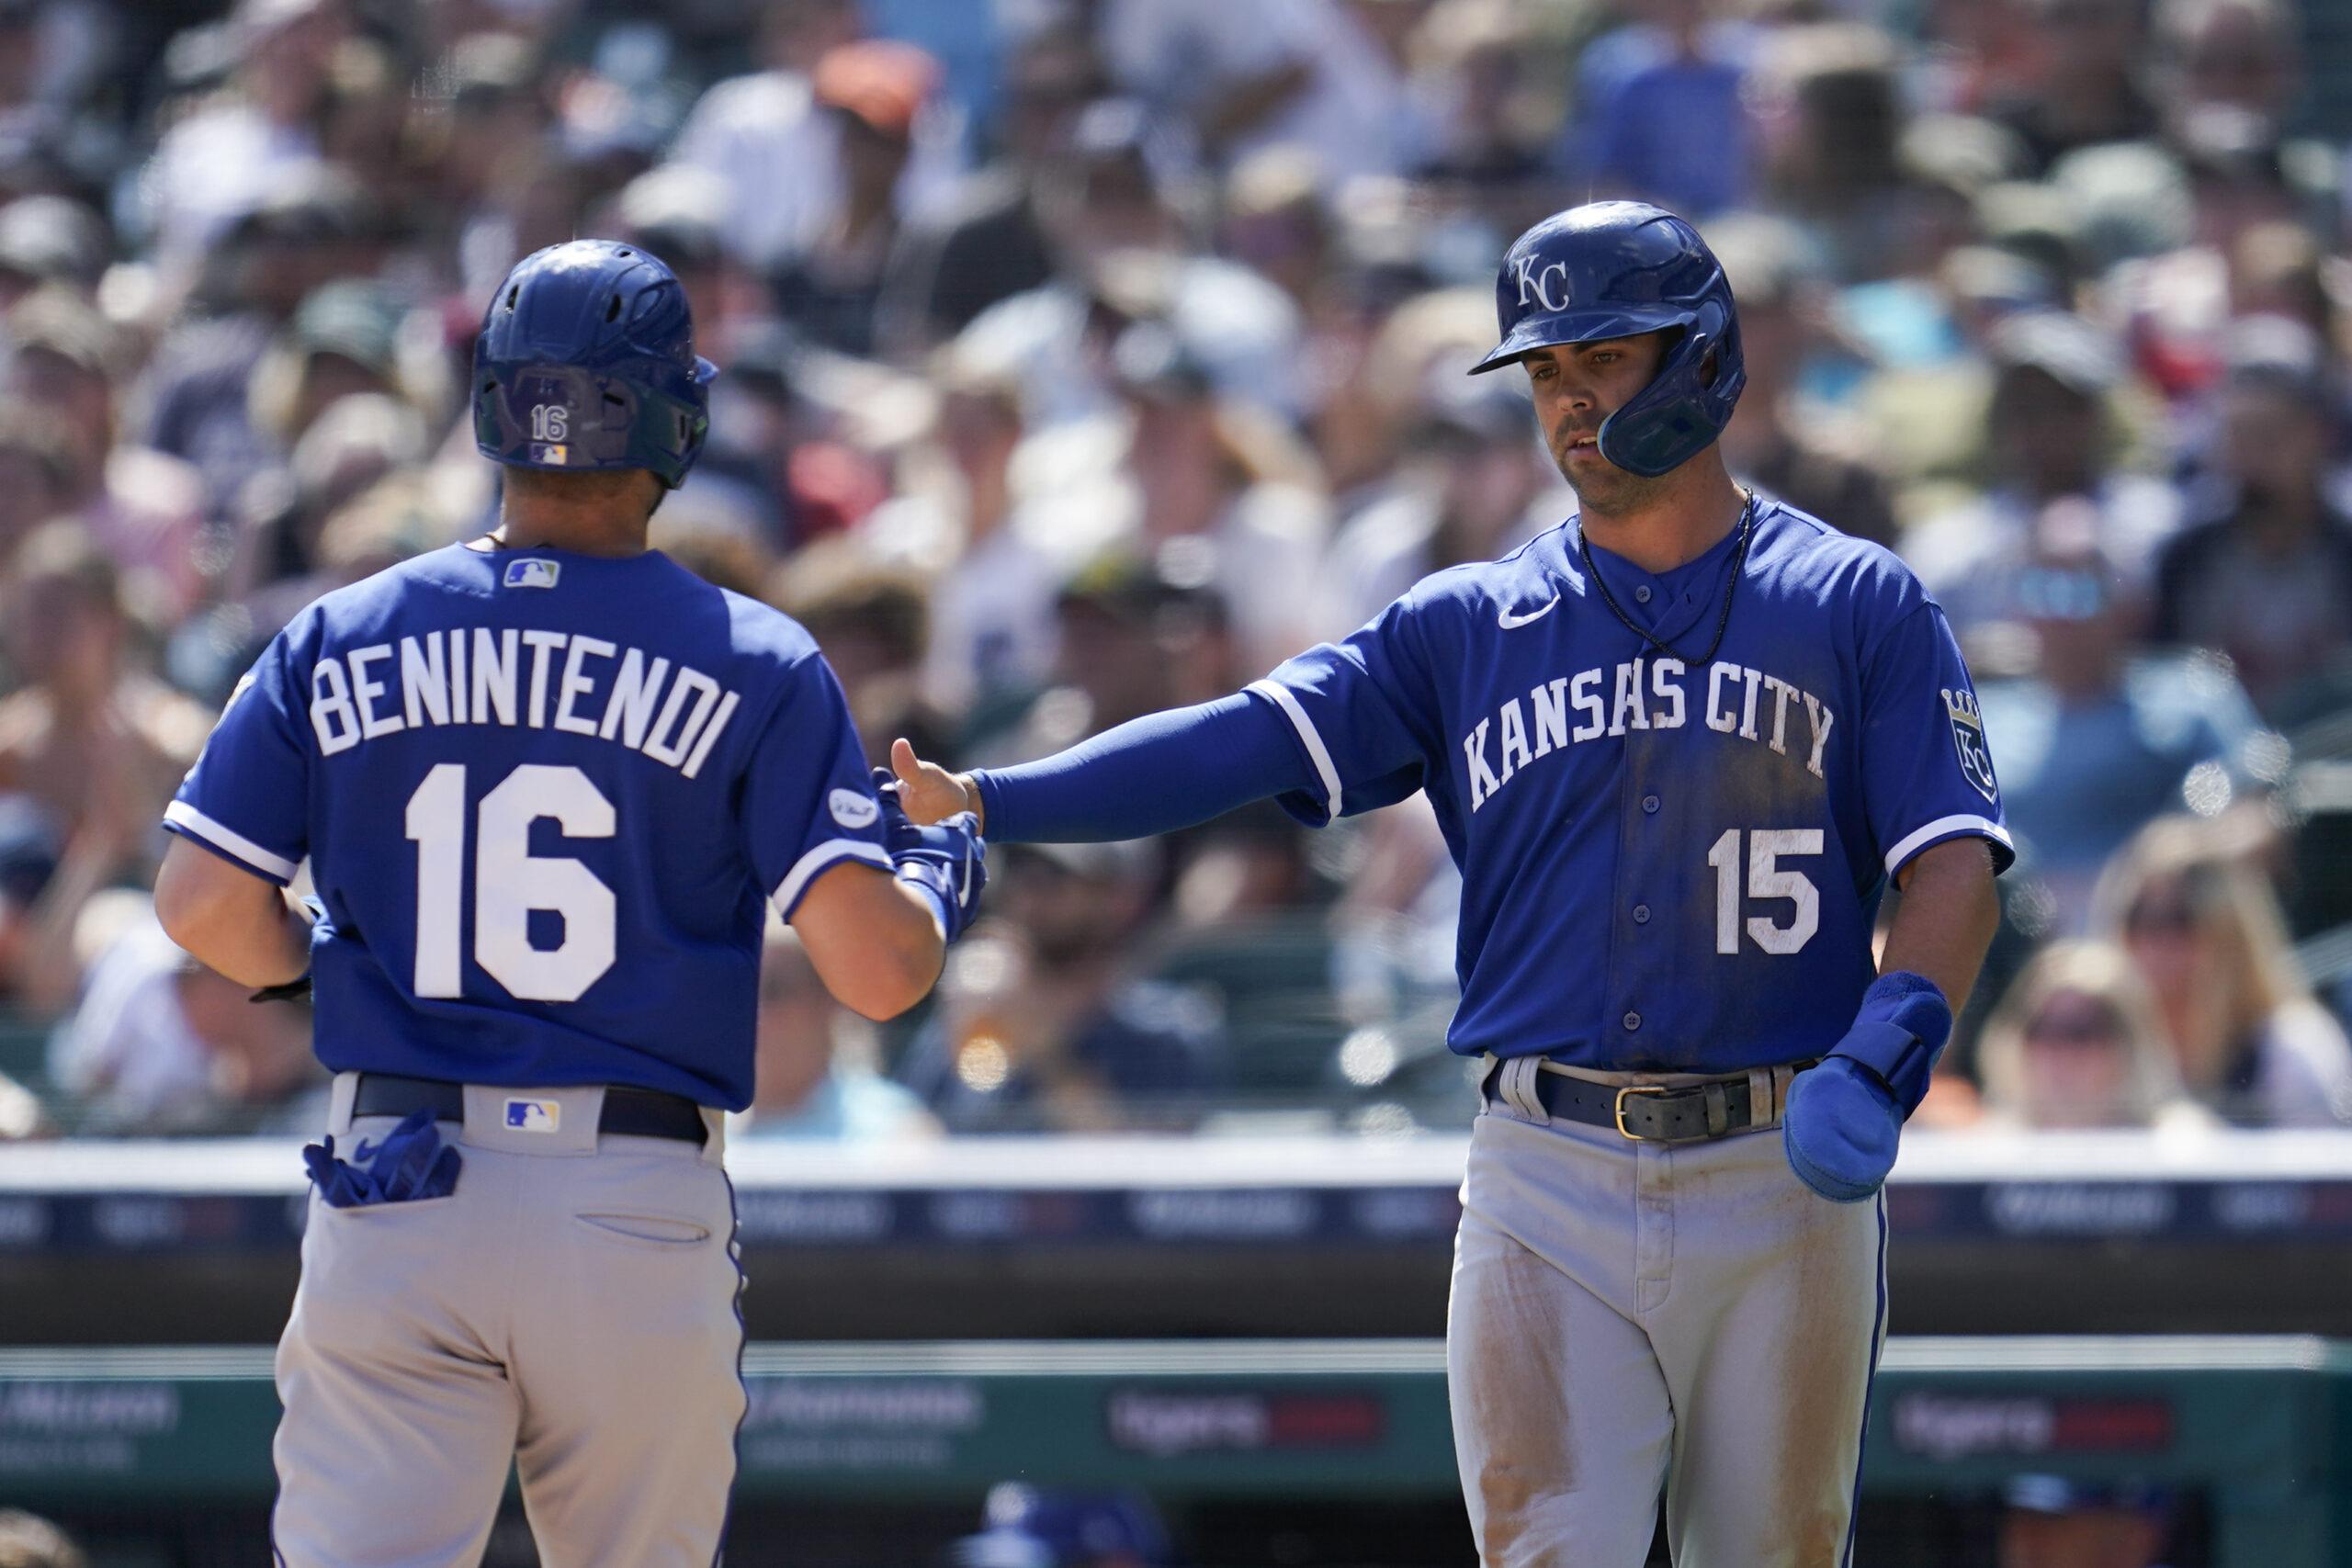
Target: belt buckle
{"points": [[1636, 1089]]}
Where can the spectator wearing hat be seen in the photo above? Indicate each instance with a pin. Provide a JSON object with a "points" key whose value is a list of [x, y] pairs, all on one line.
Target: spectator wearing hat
{"points": [[51, 240], [1028, 1527], [2269, 581], [871, 620], [2049, 1521], [224, 160], [2048, 434], [873, 91], [189, 402], [1042, 1022], [2098, 740], [2204, 929], [991, 244], [777, 145]]}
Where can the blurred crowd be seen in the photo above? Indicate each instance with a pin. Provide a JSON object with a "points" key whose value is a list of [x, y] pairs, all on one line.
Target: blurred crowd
{"points": [[1084, 357]]}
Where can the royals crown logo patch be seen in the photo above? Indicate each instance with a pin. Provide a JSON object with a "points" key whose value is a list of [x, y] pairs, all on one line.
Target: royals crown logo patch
{"points": [[1968, 738]]}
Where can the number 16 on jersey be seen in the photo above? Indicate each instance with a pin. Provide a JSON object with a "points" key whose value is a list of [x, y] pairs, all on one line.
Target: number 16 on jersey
{"points": [[508, 883]]}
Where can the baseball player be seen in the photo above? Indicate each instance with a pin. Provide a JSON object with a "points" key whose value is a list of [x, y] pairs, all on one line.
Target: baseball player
{"points": [[1679, 746], [545, 782]]}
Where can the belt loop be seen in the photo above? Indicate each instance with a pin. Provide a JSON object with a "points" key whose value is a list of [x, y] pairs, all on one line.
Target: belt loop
{"points": [[1718, 1110], [1763, 1105], [1517, 1087]]}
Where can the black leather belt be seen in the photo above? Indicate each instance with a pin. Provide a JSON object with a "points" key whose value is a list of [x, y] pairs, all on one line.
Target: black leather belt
{"points": [[633, 1112], [1647, 1113]]}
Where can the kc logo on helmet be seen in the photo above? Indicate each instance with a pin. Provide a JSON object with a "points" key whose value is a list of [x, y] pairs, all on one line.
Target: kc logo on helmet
{"points": [[1538, 282], [1968, 737]]}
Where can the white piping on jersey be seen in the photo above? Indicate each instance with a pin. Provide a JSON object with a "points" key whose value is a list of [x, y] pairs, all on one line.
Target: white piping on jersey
{"points": [[804, 870], [181, 815], [1941, 827], [1284, 700]]}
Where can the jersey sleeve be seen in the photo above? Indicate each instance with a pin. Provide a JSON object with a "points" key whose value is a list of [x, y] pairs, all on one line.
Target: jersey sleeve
{"points": [[809, 803], [246, 799], [1352, 706], [1926, 771]]}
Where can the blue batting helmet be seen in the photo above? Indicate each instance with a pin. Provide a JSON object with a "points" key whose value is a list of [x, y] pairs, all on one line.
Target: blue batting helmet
{"points": [[586, 360], [1619, 269]]}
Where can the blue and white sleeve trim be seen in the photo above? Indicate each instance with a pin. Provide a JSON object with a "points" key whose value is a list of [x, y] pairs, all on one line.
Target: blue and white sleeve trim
{"points": [[228, 843], [804, 870], [1944, 828], [1284, 698]]}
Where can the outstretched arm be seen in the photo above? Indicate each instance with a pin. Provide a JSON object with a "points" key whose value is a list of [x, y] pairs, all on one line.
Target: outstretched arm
{"points": [[1154, 775]]}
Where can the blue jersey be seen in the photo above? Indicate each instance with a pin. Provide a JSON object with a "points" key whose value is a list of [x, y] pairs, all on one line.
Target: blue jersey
{"points": [[1664, 866], [543, 795]]}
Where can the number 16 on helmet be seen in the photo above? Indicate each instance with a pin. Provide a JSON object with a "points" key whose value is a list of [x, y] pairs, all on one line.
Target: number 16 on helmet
{"points": [[586, 361]]}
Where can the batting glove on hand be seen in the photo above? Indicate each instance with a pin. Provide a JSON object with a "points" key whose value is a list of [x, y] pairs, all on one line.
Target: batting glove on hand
{"points": [[1845, 1117], [946, 863]]}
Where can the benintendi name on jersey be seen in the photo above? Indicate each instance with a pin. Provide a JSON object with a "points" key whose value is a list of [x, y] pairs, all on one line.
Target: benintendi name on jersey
{"points": [[1731, 709], [481, 679]]}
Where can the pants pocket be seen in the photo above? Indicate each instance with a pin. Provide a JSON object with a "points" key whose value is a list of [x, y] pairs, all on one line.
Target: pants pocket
{"points": [[659, 1230]]}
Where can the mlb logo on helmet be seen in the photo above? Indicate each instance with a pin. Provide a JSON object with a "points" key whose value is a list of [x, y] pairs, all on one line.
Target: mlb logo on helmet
{"points": [[1968, 736], [553, 454], [532, 573], [534, 1115]]}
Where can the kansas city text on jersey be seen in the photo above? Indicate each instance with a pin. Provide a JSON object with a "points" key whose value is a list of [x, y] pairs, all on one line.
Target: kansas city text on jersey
{"points": [[1740, 701], [540, 679]]}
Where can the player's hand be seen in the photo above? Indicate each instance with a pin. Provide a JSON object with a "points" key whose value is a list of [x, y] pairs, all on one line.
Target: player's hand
{"points": [[1845, 1117], [930, 793]]}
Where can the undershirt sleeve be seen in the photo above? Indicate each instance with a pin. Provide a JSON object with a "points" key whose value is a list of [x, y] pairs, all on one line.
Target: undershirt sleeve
{"points": [[1154, 775]]}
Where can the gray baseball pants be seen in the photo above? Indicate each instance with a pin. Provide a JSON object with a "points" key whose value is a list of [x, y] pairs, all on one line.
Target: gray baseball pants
{"points": [[1627, 1316], [570, 1306]]}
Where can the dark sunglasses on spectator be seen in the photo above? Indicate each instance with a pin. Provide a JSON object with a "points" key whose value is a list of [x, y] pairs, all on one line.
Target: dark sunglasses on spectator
{"points": [[2170, 917], [2061, 594], [2072, 1026]]}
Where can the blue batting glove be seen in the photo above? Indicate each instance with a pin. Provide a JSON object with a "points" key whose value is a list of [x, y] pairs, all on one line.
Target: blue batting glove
{"points": [[1845, 1117], [411, 1163], [946, 863]]}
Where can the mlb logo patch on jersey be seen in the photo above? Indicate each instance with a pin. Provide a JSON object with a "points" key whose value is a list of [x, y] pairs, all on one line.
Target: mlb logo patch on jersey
{"points": [[1968, 736], [534, 1115], [852, 809], [532, 573]]}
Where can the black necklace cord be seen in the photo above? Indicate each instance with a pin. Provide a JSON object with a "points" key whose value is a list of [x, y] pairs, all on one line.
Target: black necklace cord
{"points": [[1738, 560]]}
